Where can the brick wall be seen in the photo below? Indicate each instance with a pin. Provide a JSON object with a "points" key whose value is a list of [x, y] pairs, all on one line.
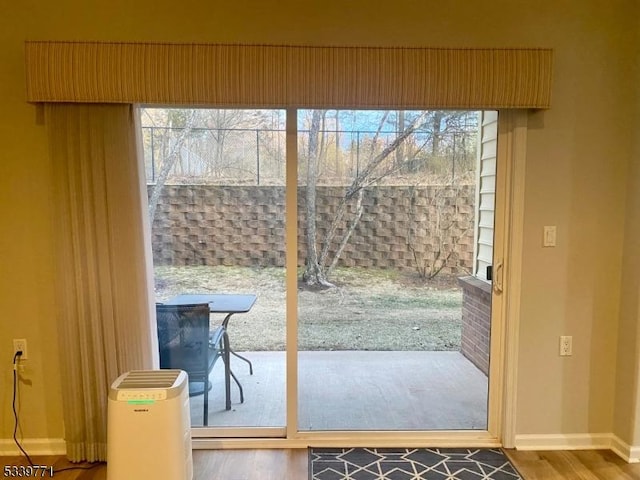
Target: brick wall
{"points": [[476, 321], [244, 226]]}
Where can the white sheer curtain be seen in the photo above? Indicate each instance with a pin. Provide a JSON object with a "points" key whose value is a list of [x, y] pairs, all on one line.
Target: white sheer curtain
{"points": [[105, 318]]}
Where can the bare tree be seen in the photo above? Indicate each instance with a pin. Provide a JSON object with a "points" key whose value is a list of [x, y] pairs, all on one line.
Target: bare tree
{"points": [[445, 231], [169, 162], [318, 267], [313, 274]]}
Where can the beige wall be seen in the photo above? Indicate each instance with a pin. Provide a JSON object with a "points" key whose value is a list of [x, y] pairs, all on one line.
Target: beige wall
{"points": [[577, 166], [576, 179], [627, 413]]}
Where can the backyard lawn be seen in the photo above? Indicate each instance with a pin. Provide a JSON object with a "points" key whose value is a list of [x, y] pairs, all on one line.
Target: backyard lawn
{"points": [[370, 309]]}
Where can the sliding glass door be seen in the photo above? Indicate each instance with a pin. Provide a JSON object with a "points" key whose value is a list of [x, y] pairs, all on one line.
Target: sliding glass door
{"points": [[391, 274]]}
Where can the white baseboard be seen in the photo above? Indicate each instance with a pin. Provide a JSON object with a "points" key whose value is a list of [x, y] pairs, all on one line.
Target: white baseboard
{"points": [[34, 446], [579, 441], [575, 441], [630, 453]]}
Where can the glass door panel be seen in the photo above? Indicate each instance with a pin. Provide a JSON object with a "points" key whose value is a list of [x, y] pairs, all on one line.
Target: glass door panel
{"points": [[216, 196], [387, 208]]}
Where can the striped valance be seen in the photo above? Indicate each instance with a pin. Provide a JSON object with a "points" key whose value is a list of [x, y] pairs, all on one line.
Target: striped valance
{"points": [[282, 76]]}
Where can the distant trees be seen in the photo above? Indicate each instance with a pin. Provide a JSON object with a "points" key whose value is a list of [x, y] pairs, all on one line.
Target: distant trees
{"points": [[209, 145]]}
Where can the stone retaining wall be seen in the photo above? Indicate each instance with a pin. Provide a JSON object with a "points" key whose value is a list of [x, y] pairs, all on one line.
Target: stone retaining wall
{"points": [[401, 227]]}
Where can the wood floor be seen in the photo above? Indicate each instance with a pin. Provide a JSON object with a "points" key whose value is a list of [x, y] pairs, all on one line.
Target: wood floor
{"points": [[578, 465], [292, 465]]}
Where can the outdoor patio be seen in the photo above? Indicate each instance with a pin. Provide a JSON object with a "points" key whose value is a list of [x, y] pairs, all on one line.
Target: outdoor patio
{"points": [[354, 390]]}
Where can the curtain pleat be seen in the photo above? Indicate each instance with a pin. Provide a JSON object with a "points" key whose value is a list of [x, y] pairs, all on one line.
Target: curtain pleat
{"points": [[104, 312], [288, 76]]}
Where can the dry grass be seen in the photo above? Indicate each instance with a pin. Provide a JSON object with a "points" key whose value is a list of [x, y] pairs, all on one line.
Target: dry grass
{"points": [[369, 309]]}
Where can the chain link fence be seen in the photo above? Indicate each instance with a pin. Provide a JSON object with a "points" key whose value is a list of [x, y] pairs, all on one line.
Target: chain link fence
{"points": [[243, 156]]}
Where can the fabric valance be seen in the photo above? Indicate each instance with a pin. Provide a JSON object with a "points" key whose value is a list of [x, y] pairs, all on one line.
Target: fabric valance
{"points": [[288, 76]]}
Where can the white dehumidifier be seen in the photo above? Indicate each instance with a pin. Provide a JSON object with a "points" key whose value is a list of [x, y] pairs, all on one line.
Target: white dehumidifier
{"points": [[148, 426]]}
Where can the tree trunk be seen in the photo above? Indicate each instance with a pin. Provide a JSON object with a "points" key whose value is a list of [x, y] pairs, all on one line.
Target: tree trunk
{"points": [[437, 119], [168, 164], [350, 230], [314, 273], [400, 151], [316, 269], [364, 179]]}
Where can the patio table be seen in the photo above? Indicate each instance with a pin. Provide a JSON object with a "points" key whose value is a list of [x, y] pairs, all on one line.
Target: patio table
{"points": [[225, 303]]}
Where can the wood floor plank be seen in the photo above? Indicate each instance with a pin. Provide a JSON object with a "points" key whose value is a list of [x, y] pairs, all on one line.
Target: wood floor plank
{"points": [[569, 466], [573, 465], [534, 466], [605, 465], [251, 464]]}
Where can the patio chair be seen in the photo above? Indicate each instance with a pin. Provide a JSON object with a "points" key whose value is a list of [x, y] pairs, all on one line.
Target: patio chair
{"points": [[186, 343]]}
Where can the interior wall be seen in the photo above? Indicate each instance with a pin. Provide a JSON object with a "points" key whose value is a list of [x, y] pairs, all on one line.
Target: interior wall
{"points": [[577, 159], [627, 412], [576, 179]]}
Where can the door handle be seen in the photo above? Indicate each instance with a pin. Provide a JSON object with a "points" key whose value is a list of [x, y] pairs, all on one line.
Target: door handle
{"points": [[497, 277]]}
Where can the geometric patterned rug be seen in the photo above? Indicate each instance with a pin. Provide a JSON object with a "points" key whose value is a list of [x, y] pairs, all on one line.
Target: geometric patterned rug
{"points": [[410, 464]]}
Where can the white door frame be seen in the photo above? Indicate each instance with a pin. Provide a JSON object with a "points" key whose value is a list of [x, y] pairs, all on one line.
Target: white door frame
{"points": [[509, 221]]}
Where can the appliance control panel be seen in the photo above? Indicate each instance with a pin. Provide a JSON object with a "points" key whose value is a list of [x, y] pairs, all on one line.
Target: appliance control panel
{"points": [[141, 395]]}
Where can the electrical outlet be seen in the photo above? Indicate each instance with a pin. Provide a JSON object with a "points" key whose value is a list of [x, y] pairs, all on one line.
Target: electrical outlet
{"points": [[566, 346], [20, 344]]}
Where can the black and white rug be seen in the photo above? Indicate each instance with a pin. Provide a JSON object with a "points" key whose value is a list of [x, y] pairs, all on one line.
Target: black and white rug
{"points": [[410, 464]]}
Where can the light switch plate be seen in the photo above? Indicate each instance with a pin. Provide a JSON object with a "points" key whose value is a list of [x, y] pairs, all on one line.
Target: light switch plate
{"points": [[549, 236]]}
